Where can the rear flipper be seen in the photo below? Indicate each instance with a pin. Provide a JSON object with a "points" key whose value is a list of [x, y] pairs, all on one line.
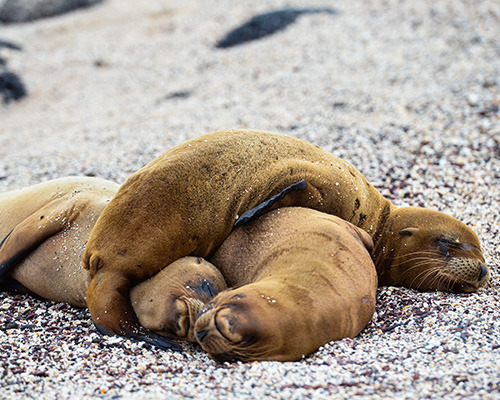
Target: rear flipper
{"points": [[38, 227], [298, 194]]}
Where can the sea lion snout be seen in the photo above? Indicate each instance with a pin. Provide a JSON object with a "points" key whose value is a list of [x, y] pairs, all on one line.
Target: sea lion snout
{"points": [[469, 274], [227, 326]]}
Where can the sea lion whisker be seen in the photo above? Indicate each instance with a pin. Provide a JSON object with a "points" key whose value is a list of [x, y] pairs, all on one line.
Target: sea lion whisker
{"points": [[421, 261], [423, 276], [411, 259], [444, 282], [441, 281], [424, 261], [420, 252]]}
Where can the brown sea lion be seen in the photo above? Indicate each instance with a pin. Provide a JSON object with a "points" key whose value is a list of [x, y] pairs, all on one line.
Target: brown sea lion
{"points": [[169, 302], [49, 225], [303, 278], [187, 201]]}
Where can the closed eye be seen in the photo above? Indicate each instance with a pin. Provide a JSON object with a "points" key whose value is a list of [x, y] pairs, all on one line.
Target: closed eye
{"points": [[442, 241]]}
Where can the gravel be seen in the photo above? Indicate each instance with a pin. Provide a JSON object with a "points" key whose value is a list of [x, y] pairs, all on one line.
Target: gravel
{"points": [[408, 92]]}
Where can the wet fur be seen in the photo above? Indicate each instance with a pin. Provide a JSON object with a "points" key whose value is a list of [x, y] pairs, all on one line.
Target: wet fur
{"points": [[187, 200], [45, 228], [304, 278]]}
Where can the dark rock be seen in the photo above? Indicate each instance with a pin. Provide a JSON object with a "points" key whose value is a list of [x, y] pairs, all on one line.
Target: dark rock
{"points": [[11, 87], [13, 11], [178, 95], [9, 45], [266, 24]]}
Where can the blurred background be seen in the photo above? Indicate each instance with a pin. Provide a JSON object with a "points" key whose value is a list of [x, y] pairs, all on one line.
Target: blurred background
{"points": [[406, 91]]}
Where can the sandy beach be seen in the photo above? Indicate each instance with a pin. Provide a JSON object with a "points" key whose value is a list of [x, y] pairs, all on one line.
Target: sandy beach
{"points": [[408, 92]]}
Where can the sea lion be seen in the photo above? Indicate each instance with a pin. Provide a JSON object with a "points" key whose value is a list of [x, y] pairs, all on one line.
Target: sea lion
{"points": [[169, 302], [303, 278], [49, 226], [187, 201]]}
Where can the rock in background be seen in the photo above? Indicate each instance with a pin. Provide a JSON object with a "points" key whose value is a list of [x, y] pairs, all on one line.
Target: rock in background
{"points": [[12, 11], [11, 86]]}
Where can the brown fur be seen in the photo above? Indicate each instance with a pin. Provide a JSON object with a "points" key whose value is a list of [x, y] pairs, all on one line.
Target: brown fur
{"points": [[304, 278], [429, 250], [186, 202], [51, 223]]}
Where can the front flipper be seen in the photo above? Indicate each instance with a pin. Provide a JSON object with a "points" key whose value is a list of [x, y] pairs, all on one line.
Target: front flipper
{"points": [[298, 194], [11, 285], [112, 313], [147, 336], [38, 227]]}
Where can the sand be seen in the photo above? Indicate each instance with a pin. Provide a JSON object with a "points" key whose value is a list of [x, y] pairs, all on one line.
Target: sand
{"points": [[408, 92]]}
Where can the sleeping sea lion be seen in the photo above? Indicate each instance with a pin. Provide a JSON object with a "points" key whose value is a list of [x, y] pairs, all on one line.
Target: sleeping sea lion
{"points": [[187, 201], [49, 225], [303, 277]]}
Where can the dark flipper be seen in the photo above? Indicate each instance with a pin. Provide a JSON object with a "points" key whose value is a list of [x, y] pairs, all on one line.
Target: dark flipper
{"points": [[109, 304], [11, 285], [298, 194], [5, 267], [149, 337], [34, 230]]}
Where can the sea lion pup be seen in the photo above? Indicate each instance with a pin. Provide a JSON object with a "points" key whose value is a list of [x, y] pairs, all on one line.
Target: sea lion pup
{"points": [[49, 225], [303, 277], [169, 302], [187, 200]]}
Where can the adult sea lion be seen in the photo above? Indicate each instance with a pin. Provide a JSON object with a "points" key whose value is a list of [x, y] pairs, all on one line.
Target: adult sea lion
{"points": [[49, 225], [187, 201], [303, 278]]}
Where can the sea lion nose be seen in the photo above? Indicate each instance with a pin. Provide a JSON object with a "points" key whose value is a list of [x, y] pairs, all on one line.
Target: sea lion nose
{"points": [[201, 335], [483, 272]]}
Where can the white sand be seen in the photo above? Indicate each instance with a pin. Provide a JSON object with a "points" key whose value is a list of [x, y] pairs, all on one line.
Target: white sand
{"points": [[408, 92]]}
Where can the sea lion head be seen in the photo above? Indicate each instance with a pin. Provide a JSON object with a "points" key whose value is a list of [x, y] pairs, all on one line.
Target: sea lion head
{"points": [[429, 250], [235, 326], [169, 302]]}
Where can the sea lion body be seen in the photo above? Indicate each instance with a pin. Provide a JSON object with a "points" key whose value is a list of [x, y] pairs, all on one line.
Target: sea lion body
{"points": [[51, 222], [304, 278], [54, 220], [187, 200]]}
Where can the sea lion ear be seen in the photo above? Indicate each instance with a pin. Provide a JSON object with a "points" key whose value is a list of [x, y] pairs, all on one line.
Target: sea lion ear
{"points": [[408, 231]]}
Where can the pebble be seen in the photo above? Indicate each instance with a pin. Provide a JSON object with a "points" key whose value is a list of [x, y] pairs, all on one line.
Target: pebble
{"points": [[419, 117]]}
